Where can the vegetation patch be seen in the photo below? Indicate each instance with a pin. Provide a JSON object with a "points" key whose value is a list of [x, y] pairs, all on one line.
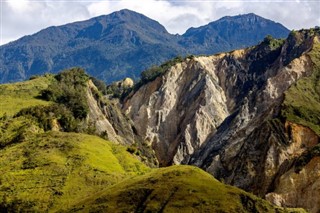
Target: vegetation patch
{"points": [[173, 189], [155, 71], [68, 109], [55, 116], [146, 76], [47, 171], [273, 43], [17, 96], [302, 99], [69, 89]]}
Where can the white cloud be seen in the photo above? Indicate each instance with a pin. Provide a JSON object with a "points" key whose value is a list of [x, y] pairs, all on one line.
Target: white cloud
{"points": [[23, 17], [19, 6]]}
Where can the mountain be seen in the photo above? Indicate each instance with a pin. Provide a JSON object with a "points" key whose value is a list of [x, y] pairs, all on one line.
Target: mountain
{"points": [[231, 32], [108, 47], [123, 44], [250, 117], [51, 159]]}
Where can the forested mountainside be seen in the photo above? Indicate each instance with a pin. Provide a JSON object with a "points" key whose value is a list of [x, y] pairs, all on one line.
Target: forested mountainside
{"points": [[123, 44]]}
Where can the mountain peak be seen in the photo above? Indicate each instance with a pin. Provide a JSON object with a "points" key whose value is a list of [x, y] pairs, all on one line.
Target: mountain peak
{"points": [[125, 14], [240, 16], [134, 18], [243, 18], [235, 30]]}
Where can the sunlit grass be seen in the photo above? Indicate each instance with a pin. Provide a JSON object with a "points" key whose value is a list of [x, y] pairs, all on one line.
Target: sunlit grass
{"points": [[14, 97], [49, 170], [173, 189]]}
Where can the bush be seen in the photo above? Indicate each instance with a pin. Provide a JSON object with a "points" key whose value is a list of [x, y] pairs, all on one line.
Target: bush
{"points": [[45, 116], [151, 73], [132, 150], [34, 77], [102, 87], [155, 71], [69, 94], [69, 90], [272, 42]]}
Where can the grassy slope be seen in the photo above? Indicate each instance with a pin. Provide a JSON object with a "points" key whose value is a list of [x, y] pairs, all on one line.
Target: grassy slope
{"points": [[46, 170], [17, 96], [174, 189], [302, 100], [54, 169]]}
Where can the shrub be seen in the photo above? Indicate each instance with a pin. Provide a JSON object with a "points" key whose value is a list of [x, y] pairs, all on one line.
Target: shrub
{"points": [[34, 77], [102, 87], [45, 116], [155, 71], [69, 89], [132, 150], [272, 42]]}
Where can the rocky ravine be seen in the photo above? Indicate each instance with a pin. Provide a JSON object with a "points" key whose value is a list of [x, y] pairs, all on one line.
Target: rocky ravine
{"points": [[107, 119], [222, 113]]}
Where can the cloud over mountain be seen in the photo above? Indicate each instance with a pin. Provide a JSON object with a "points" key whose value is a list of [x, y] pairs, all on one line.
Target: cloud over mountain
{"points": [[22, 17]]}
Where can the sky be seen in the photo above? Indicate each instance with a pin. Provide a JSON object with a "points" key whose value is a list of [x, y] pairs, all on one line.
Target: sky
{"points": [[25, 17]]}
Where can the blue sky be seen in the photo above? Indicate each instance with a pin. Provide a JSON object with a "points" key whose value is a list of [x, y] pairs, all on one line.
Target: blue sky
{"points": [[24, 17]]}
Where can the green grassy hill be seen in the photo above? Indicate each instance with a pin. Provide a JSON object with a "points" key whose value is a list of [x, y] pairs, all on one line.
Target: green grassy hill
{"points": [[53, 169], [42, 170], [17, 96], [174, 189]]}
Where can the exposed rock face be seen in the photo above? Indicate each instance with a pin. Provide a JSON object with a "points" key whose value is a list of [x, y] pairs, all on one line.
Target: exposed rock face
{"points": [[222, 113], [108, 119], [304, 182], [176, 113]]}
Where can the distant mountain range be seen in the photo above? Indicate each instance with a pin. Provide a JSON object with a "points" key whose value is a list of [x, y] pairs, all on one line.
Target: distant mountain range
{"points": [[124, 43]]}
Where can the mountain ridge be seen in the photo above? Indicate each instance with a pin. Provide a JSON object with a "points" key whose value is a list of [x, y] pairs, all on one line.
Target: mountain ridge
{"points": [[110, 47]]}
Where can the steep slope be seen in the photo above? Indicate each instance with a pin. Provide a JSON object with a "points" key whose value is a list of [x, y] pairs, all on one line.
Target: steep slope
{"points": [[174, 189], [232, 32], [70, 102], [44, 166], [122, 44], [229, 115]]}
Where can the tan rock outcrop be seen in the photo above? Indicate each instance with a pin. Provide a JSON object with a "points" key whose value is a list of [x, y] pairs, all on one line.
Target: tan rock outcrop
{"points": [[168, 112], [106, 118]]}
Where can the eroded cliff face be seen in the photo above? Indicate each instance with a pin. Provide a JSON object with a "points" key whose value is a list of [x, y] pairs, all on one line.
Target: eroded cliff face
{"points": [[107, 120], [299, 189], [222, 113], [298, 184], [177, 112]]}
